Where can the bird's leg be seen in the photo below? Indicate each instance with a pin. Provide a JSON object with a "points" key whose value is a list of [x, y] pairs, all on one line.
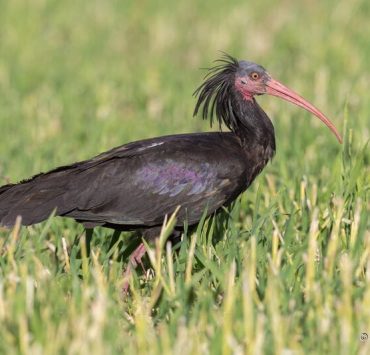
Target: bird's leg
{"points": [[136, 256], [88, 238], [134, 260], [114, 239]]}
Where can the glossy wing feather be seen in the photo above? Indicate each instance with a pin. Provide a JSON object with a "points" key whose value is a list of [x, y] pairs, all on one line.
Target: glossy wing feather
{"points": [[140, 190], [136, 184]]}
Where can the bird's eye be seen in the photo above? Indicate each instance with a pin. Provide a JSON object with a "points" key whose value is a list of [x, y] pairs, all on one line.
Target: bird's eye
{"points": [[255, 76]]}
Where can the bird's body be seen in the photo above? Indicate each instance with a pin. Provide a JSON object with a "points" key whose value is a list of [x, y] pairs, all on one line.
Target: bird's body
{"points": [[138, 184]]}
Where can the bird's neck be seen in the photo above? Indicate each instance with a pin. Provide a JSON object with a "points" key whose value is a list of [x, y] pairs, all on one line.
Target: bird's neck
{"points": [[254, 128]]}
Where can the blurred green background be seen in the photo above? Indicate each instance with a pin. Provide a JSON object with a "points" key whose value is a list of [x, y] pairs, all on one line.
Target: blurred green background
{"points": [[80, 77]]}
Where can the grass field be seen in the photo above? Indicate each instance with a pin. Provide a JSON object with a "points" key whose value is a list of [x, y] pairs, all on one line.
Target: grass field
{"points": [[284, 272]]}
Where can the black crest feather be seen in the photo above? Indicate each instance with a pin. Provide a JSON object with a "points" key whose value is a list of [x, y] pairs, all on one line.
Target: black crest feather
{"points": [[216, 94]]}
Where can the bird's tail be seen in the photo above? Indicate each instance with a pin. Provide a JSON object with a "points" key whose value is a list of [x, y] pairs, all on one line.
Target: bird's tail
{"points": [[34, 200]]}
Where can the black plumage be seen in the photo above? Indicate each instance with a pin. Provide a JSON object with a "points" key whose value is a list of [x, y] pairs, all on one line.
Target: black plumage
{"points": [[138, 184]]}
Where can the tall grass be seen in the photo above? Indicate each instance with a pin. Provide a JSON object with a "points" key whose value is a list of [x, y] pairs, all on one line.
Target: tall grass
{"points": [[285, 270]]}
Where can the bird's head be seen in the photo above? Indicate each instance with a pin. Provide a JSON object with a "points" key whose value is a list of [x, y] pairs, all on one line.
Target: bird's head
{"points": [[251, 79], [217, 93]]}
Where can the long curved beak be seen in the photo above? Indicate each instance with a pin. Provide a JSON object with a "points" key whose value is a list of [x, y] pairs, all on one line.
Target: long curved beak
{"points": [[275, 88]]}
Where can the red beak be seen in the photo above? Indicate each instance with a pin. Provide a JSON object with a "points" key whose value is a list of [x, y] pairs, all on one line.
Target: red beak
{"points": [[275, 88]]}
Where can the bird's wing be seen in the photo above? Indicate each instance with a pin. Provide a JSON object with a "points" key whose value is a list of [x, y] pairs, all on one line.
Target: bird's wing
{"points": [[139, 185], [135, 184]]}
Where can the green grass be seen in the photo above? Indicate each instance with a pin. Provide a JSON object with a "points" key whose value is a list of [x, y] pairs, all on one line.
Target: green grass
{"points": [[285, 271]]}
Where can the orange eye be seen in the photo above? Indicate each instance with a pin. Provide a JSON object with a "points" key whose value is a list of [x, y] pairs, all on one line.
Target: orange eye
{"points": [[255, 76]]}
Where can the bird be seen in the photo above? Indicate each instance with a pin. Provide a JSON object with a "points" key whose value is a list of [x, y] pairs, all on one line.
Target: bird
{"points": [[136, 185]]}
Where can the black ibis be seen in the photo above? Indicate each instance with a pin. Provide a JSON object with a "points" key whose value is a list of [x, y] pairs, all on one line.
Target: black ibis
{"points": [[136, 185]]}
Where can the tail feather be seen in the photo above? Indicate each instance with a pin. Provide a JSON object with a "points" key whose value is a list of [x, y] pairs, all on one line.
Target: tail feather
{"points": [[35, 199]]}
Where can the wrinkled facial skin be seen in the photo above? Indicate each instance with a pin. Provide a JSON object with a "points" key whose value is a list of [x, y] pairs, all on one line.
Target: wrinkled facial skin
{"points": [[251, 79]]}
